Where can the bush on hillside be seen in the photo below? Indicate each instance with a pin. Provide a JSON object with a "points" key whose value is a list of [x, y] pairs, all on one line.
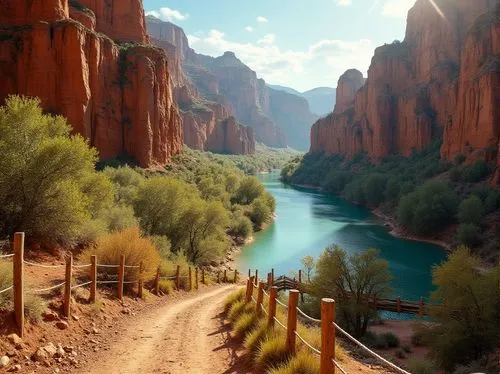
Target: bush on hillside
{"points": [[240, 226], [429, 208], [469, 234], [374, 187], [250, 188], [475, 172], [46, 172], [471, 210], [132, 245], [259, 212]]}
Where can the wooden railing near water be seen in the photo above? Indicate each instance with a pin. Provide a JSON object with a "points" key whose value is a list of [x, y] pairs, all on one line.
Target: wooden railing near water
{"points": [[386, 304]]}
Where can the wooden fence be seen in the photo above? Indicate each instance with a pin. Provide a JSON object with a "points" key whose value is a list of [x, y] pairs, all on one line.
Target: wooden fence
{"points": [[329, 328], [387, 304], [18, 286]]}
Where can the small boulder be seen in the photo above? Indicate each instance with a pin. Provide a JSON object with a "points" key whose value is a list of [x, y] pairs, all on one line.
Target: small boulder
{"points": [[15, 340], [50, 316], [15, 368], [4, 361], [60, 352], [62, 325]]}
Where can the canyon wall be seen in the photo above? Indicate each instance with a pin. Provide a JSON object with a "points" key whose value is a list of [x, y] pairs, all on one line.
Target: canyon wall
{"points": [[208, 125], [442, 79], [117, 96]]}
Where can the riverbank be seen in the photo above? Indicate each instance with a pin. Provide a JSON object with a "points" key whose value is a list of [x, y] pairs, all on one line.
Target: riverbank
{"points": [[395, 228]]}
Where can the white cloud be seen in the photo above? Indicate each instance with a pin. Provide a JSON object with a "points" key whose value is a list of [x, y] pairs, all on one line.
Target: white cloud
{"points": [[249, 28], [268, 39], [261, 19], [397, 8], [343, 2], [167, 14], [318, 65]]}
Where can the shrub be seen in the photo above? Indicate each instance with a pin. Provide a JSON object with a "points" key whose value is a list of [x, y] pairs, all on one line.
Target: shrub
{"points": [[400, 354], [259, 212], [241, 226], [166, 286], [272, 352], [250, 188], [5, 281], [459, 159], [127, 182], [130, 243], [475, 172], [255, 337], [237, 309], [469, 234], [301, 363], [374, 189], [471, 210], [163, 245], [34, 307], [53, 170], [233, 299], [119, 217], [421, 366], [244, 324], [391, 339], [455, 174], [407, 348]]}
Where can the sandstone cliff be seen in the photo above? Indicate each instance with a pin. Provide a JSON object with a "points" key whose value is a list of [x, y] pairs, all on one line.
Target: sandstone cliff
{"points": [[207, 124], [441, 78], [117, 96]]}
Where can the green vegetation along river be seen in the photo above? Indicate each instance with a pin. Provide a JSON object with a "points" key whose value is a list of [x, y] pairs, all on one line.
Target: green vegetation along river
{"points": [[308, 221]]}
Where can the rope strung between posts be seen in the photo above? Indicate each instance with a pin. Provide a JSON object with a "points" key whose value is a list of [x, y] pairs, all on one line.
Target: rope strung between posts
{"points": [[7, 289], [282, 304], [7, 256], [106, 282], [307, 316], [338, 366], [81, 285], [265, 293], [130, 282], [253, 299], [172, 277], [108, 266], [316, 351], [131, 266], [81, 266], [279, 323], [388, 363], [43, 266], [264, 309], [49, 288]]}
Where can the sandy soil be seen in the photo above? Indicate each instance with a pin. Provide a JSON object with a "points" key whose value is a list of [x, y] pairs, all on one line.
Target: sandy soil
{"points": [[185, 336]]}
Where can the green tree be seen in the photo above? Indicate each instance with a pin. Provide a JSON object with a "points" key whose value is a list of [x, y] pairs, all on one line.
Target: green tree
{"points": [[471, 210], [46, 174], [259, 213], [240, 226], [374, 189], [467, 304], [250, 188], [469, 234], [353, 281], [308, 265]]}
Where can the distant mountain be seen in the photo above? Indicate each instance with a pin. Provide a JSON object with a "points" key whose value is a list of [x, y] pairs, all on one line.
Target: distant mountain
{"points": [[321, 100]]}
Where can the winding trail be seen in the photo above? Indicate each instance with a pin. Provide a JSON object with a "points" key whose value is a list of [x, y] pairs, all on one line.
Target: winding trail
{"points": [[185, 336]]}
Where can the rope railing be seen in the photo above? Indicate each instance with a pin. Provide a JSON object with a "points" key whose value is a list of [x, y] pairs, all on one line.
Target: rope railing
{"points": [[7, 289], [48, 288], [107, 266], [81, 266], [43, 265], [264, 310], [282, 304], [7, 256], [308, 317], [337, 365], [81, 285], [374, 354], [131, 266], [307, 344], [107, 282], [279, 323]]}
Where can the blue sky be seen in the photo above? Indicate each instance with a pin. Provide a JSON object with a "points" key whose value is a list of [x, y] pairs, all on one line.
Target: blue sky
{"points": [[297, 43]]}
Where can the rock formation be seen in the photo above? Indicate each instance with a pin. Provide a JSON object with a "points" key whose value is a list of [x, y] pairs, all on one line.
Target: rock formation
{"points": [[443, 78], [117, 96], [207, 124], [349, 83]]}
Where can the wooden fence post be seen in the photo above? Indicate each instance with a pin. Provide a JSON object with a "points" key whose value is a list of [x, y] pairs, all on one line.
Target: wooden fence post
{"points": [[291, 326], [250, 289], [157, 281], [190, 279], [121, 277], [67, 286], [196, 277], [203, 275], [269, 281], [272, 306], [398, 304], [327, 336], [249, 273], [300, 278], [141, 282], [256, 276], [18, 274], [225, 276], [177, 278], [260, 297], [235, 276], [218, 276], [272, 276], [93, 278]]}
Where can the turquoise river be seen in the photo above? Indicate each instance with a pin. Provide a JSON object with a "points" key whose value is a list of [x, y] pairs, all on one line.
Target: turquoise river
{"points": [[307, 221]]}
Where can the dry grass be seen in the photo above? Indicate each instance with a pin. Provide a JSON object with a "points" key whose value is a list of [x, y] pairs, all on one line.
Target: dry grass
{"points": [[244, 324], [232, 299], [34, 306], [5, 281], [133, 245], [166, 286], [272, 351], [301, 363]]}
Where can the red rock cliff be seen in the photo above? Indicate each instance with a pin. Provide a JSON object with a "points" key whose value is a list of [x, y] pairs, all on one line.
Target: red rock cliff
{"points": [[432, 82], [349, 83], [117, 97]]}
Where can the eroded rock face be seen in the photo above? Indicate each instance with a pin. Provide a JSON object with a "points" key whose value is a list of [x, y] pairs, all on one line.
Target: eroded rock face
{"points": [[349, 83], [118, 98], [440, 79], [207, 124]]}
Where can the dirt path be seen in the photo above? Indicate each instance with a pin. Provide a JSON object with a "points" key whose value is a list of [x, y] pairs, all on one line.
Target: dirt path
{"points": [[188, 336]]}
